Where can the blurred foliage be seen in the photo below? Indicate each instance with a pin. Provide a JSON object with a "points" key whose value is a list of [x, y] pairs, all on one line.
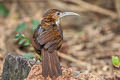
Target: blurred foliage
{"points": [[29, 55], [21, 27], [35, 24], [23, 40], [3, 10], [116, 61]]}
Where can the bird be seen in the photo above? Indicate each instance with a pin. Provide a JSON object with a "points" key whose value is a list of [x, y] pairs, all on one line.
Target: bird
{"points": [[47, 40]]}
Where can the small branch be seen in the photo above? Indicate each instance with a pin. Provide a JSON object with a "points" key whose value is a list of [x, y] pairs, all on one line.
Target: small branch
{"points": [[69, 58], [96, 8]]}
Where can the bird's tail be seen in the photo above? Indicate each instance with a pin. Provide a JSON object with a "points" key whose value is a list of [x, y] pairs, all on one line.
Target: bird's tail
{"points": [[50, 64]]}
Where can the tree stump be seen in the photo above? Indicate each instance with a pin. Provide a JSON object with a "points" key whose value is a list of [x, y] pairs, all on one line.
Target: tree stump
{"points": [[16, 67]]}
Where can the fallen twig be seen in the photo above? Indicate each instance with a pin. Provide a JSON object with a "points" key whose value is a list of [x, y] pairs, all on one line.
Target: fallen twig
{"points": [[96, 8], [69, 58]]}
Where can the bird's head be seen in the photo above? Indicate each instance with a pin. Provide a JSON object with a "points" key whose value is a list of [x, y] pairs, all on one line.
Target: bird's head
{"points": [[54, 15]]}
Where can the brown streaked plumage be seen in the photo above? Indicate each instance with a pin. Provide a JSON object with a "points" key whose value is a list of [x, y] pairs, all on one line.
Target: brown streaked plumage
{"points": [[47, 39]]}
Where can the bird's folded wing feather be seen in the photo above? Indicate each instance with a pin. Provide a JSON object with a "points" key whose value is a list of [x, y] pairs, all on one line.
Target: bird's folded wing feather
{"points": [[53, 45], [48, 35]]}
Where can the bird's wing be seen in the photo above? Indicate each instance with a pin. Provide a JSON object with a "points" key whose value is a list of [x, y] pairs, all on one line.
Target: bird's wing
{"points": [[48, 35], [53, 45], [38, 31]]}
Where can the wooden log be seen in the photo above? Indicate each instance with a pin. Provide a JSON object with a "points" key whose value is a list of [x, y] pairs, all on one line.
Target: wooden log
{"points": [[16, 67]]}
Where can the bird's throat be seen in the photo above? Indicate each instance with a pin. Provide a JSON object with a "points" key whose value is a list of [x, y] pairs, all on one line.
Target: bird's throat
{"points": [[58, 22]]}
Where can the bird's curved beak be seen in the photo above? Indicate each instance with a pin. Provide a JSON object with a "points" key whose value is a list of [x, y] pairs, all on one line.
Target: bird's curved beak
{"points": [[68, 14]]}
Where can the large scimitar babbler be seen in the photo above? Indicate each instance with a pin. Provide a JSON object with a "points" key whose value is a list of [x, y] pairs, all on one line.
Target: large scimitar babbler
{"points": [[47, 39]]}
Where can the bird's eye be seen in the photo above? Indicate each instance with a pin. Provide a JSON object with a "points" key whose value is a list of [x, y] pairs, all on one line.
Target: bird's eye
{"points": [[58, 13]]}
